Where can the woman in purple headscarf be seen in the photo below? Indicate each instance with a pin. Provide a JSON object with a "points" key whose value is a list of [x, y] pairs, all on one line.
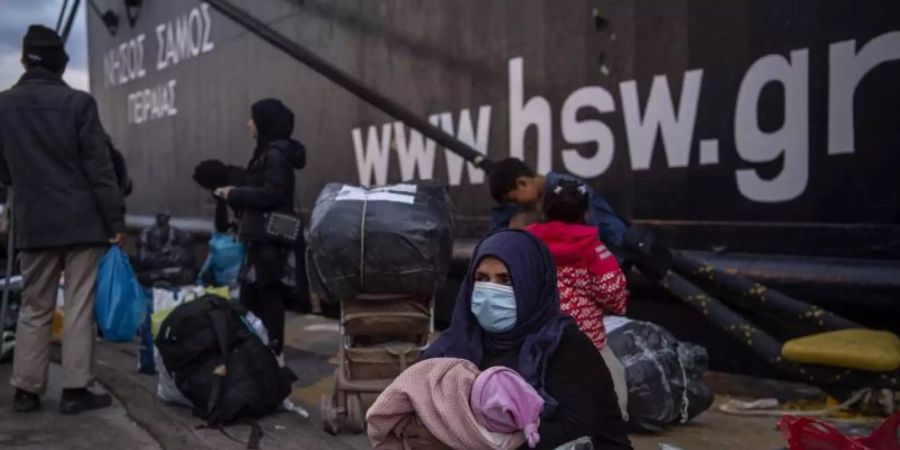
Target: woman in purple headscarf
{"points": [[507, 314]]}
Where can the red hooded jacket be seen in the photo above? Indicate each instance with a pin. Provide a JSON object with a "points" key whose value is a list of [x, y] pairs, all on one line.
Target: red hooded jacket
{"points": [[589, 278]]}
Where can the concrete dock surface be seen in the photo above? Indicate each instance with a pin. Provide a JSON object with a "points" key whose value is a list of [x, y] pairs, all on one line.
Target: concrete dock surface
{"points": [[139, 420]]}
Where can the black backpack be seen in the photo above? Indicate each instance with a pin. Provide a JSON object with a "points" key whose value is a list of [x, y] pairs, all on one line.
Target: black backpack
{"points": [[219, 364]]}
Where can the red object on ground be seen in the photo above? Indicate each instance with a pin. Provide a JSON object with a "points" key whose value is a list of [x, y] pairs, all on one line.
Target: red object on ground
{"points": [[805, 433]]}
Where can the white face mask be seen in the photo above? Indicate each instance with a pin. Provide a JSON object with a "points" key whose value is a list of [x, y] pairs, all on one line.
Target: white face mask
{"points": [[494, 305]]}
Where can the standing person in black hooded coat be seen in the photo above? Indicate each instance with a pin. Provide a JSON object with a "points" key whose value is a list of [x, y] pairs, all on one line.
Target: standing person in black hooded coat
{"points": [[269, 187]]}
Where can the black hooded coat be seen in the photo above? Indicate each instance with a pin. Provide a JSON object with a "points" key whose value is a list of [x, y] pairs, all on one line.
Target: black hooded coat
{"points": [[270, 178]]}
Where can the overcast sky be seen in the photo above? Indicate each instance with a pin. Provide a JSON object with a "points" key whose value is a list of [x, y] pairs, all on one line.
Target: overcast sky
{"points": [[16, 15]]}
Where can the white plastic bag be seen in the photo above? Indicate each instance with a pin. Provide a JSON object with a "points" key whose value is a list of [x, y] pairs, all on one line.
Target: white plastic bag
{"points": [[257, 327], [191, 292], [165, 388], [164, 299]]}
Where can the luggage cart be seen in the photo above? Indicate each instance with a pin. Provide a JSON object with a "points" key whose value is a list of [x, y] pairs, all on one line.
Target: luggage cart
{"points": [[381, 336]]}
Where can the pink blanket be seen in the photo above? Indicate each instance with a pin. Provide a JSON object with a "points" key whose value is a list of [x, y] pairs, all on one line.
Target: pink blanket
{"points": [[437, 392]]}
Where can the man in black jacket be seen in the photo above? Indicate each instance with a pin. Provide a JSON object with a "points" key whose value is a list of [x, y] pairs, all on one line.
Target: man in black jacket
{"points": [[67, 209]]}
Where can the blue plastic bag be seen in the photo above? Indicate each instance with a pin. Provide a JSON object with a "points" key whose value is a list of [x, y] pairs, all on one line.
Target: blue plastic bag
{"points": [[226, 254], [120, 304]]}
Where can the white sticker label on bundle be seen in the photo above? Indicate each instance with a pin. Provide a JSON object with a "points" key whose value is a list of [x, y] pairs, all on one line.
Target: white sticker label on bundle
{"points": [[612, 323], [401, 193]]}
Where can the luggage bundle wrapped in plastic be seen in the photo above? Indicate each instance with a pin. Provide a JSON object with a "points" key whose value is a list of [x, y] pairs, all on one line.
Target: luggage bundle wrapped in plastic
{"points": [[664, 375], [386, 240], [165, 254]]}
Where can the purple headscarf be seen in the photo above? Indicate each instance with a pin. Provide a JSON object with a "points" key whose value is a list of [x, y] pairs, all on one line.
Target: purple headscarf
{"points": [[539, 322]]}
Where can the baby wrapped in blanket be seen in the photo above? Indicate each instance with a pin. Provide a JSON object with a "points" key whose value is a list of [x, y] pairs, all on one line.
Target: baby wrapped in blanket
{"points": [[461, 406]]}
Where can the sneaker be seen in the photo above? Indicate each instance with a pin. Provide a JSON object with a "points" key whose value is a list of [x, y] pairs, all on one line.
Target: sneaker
{"points": [[75, 401], [25, 401]]}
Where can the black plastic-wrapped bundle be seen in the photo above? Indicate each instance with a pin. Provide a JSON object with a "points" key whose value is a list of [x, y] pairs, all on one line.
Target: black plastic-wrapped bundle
{"points": [[393, 239], [165, 254], [664, 375]]}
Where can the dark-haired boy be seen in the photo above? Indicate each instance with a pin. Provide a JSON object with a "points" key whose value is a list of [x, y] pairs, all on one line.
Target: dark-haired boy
{"points": [[516, 187]]}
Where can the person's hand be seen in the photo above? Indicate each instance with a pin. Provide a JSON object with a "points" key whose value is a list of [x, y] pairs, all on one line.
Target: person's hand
{"points": [[419, 438], [223, 192], [117, 239]]}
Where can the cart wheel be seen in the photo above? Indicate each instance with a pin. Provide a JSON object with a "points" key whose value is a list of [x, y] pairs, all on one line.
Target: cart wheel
{"points": [[329, 414], [356, 419]]}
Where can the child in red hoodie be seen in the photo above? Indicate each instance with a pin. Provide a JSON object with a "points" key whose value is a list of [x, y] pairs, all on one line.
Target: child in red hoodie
{"points": [[589, 278]]}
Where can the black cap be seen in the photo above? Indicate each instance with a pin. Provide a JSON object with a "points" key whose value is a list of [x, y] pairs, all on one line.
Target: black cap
{"points": [[43, 47]]}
